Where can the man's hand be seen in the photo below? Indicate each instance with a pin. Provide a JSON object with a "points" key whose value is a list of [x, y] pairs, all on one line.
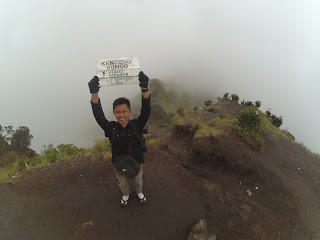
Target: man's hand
{"points": [[94, 85], [143, 79]]}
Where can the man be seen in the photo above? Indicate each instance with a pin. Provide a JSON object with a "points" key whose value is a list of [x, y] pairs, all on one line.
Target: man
{"points": [[126, 142]]}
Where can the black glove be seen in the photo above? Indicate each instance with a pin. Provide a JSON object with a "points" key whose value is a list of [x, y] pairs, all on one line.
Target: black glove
{"points": [[94, 85], [143, 79]]}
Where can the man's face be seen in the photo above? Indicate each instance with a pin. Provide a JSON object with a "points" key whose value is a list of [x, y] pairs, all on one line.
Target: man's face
{"points": [[122, 114]]}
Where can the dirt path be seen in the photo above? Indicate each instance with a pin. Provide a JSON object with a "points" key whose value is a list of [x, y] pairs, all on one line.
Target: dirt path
{"points": [[54, 202]]}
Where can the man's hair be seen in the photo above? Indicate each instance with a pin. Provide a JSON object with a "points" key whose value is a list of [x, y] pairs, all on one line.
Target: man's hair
{"points": [[120, 101]]}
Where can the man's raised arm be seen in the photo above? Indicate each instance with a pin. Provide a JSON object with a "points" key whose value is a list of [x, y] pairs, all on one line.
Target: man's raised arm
{"points": [[94, 89], [144, 81], [146, 105], [95, 103]]}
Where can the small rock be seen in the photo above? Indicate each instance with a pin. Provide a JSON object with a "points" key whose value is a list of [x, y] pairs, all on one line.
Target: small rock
{"points": [[87, 224]]}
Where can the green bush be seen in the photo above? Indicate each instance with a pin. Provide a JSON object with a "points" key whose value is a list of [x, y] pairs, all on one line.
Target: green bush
{"points": [[249, 119], [235, 97], [276, 121], [36, 161], [207, 103], [69, 149], [182, 111], [248, 104], [101, 147], [50, 155], [268, 113], [226, 96], [248, 127]]}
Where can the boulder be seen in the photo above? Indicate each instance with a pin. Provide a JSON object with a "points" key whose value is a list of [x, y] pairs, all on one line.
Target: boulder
{"points": [[199, 231]]}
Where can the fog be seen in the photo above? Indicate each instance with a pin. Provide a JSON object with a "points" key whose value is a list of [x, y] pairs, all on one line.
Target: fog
{"points": [[261, 50]]}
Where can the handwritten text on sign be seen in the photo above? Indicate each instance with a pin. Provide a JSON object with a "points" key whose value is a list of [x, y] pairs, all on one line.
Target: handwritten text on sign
{"points": [[118, 71]]}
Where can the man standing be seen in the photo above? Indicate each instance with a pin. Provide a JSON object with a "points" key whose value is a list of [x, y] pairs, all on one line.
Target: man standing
{"points": [[122, 132]]}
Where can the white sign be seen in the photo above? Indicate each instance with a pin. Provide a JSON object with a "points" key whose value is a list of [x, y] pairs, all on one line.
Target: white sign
{"points": [[118, 71]]}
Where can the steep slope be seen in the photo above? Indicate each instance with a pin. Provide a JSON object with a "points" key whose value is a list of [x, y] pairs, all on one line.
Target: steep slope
{"points": [[253, 195]]}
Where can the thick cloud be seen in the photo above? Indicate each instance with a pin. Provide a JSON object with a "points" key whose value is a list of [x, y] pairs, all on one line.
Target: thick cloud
{"points": [[261, 50]]}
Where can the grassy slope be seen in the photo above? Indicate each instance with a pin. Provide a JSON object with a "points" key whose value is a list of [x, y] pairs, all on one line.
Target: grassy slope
{"points": [[169, 99], [221, 123]]}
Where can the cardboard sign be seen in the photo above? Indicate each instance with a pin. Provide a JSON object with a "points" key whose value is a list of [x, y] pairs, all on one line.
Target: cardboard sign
{"points": [[118, 71]]}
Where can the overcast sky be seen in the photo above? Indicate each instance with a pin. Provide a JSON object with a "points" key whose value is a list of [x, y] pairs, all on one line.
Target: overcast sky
{"points": [[262, 50]]}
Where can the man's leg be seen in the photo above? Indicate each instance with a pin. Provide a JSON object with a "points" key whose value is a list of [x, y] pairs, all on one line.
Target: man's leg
{"points": [[124, 186], [138, 185], [138, 180]]}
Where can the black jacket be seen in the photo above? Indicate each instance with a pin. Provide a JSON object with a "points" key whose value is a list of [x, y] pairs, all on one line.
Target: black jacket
{"points": [[121, 146]]}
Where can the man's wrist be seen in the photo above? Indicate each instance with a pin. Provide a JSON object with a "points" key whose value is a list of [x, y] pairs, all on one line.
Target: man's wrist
{"points": [[144, 89]]}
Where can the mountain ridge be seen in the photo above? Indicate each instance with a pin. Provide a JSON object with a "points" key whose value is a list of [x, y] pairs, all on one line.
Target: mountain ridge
{"points": [[196, 167]]}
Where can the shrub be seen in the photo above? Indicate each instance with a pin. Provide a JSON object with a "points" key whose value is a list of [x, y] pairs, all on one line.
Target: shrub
{"points": [[276, 121], [50, 155], [249, 104], [249, 120], [101, 147], [208, 103], [268, 113], [224, 98], [69, 149], [248, 127], [180, 110], [235, 97], [36, 161], [258, 104]]}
